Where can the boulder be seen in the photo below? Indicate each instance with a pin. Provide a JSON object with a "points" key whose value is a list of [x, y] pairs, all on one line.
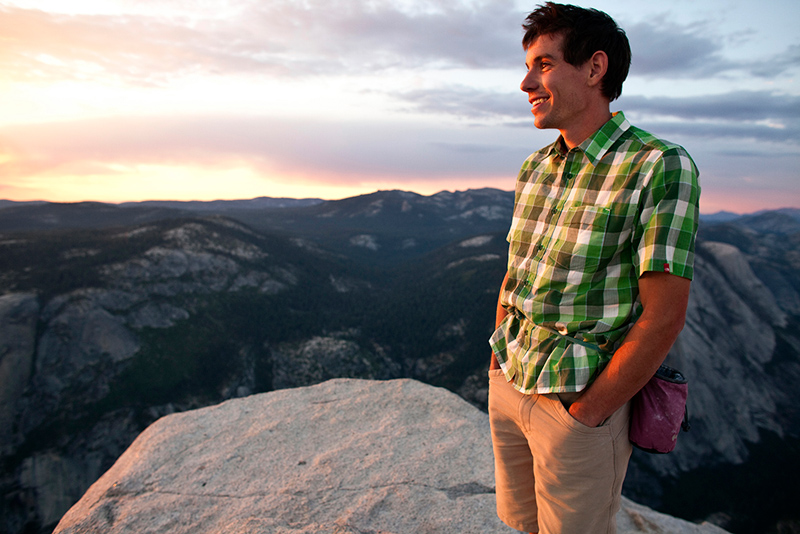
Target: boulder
{"points": [[344, 456]]}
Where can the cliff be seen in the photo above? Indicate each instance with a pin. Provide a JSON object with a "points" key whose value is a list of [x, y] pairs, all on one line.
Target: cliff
{"points": [[106, 328], [345, 456]]}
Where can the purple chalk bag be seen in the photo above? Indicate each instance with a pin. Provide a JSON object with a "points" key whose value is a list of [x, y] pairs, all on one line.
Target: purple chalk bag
{"points": [[658, 411]]}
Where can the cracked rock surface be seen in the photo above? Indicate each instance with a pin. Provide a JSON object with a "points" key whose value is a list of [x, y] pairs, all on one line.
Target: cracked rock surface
{"points": [[344, 456]]}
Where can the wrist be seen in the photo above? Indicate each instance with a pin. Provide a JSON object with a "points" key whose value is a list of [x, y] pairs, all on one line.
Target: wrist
{"points": [[581, 413]]}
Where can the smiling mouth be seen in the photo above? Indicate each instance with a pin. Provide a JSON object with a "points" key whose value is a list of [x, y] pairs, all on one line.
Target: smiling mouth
{"points": [[536, 101]]}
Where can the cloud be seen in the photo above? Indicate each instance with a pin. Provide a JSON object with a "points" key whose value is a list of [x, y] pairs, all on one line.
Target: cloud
{"points": [[284, 38], [323, 37], [733, 106], [668, 50], [382, 34], [328, 150], [732, 131], [466, 102], [781, 63], [39, 46], [761, 115], [694, 51]]}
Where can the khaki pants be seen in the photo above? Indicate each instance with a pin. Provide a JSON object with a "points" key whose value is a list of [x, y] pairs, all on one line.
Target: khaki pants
{"points": [[555, 475]]}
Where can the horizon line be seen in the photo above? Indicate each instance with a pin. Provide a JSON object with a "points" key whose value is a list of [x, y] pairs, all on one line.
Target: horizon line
{"points": [[197, 201]]}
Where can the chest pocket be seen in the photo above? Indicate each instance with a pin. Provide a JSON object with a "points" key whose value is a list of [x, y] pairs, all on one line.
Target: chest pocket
{"points": [[577, 242]]}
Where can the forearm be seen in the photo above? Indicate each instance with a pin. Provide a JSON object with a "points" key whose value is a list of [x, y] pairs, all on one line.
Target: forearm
{"points": [[500, 314], [638, 358]]}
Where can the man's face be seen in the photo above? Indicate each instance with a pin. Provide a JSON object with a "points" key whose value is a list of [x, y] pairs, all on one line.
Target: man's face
{"points": [[557, 91]]}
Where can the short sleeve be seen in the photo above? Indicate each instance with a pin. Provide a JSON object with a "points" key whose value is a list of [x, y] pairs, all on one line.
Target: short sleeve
{"points": [[669, 212]]}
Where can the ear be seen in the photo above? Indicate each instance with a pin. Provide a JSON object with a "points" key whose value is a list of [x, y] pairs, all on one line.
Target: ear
{"points": [[598, 66]]}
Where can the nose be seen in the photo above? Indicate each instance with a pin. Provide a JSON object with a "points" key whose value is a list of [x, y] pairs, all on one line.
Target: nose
{"points": [[530, 82]]}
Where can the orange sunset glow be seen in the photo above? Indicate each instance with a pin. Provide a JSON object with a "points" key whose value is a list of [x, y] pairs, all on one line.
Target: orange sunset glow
{"points": [[121, 100]]}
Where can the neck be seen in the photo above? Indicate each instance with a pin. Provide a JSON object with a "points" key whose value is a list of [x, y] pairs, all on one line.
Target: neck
{"points": [[590, 123]]}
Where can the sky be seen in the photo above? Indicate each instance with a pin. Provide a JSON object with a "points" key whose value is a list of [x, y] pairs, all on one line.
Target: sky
{"points": [[126, 100]]}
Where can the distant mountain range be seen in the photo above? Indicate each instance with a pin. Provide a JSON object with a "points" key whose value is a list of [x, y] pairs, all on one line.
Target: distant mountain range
{"points": [[196, 205], [222, 206], [111, 316]]}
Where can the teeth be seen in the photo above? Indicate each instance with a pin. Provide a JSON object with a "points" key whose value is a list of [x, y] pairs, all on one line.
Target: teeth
{"points": [[539, 100]]}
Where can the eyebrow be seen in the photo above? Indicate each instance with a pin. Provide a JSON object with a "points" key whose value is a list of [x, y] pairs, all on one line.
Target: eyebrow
{"points": [[538, 59]]}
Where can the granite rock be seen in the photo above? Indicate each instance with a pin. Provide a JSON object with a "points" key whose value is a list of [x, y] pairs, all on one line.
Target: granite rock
{"points": [[344, 456]]}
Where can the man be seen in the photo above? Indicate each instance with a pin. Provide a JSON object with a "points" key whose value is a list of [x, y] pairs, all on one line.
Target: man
{"points": [[601, 251]]}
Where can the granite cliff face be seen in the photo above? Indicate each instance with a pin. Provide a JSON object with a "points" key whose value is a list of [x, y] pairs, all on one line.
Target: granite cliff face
{"points": [[740, 349], [345, 456], [104, 331]]}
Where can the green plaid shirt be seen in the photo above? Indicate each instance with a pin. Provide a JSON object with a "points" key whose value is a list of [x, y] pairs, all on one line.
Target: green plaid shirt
{"points": [[587, 223]]}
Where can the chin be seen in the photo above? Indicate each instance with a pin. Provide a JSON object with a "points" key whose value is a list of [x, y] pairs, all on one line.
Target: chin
{"points": [[542, 124]]}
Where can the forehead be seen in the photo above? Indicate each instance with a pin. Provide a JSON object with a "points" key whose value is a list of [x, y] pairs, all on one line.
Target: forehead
{"points": [[547, 45]]}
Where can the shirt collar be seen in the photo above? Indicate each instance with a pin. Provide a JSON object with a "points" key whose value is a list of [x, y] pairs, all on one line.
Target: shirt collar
{"points": [[597, 144]]}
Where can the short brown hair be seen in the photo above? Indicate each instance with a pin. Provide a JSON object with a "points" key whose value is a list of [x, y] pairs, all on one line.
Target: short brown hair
{"points": [[585, 32]]}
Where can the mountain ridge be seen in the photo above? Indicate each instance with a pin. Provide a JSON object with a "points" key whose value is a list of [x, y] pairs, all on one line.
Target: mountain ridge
{"points": [[265, 202]]}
